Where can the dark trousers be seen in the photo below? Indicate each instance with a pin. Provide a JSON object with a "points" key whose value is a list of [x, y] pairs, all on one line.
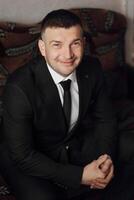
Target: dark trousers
{"points": [[31, 188], [27, 187], [122, 185]]}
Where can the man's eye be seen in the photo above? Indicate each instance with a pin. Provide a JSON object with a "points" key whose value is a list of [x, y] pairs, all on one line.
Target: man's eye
{"points": [[56, 45], [77, 43]]}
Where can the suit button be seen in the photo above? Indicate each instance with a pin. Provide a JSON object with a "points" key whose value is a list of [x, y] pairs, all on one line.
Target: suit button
{"points": [[67, 147]]}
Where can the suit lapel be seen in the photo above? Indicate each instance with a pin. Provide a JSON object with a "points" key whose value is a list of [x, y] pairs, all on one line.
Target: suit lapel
{"points": [[84, 92], [85, 89], [49, 93]]}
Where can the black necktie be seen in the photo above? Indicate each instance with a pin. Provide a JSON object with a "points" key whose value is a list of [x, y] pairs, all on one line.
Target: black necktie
{"points": [[67, 100]]}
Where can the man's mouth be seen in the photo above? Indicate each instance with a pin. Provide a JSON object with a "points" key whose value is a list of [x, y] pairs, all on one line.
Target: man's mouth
{"points": [[68, 62]]}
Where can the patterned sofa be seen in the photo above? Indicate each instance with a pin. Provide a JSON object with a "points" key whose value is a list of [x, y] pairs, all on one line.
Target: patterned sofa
{"points": [[105, 34]]}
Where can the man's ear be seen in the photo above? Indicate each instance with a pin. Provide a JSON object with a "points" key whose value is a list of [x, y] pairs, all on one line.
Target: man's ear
{"points": [[41, 46]]}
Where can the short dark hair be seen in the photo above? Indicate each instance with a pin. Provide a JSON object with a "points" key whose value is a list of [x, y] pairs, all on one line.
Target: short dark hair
{"points": [[60, 19]]}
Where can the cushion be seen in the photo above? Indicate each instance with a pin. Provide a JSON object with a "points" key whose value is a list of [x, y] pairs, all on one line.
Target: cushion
{"points": [[104, 31], [18, 44]]}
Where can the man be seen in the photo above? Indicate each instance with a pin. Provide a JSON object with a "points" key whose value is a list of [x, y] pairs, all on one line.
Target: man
{"points": [[52, 156]]}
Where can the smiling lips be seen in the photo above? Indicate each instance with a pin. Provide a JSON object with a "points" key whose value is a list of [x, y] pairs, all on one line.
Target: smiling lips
{"points": [[68, 62]]}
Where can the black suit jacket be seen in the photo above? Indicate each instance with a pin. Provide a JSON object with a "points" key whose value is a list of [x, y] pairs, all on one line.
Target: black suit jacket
{"points": [[35, 129]]}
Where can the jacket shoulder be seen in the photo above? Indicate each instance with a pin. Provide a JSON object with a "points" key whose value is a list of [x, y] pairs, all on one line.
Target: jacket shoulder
{"points": [[23, 77], [90, 65]]}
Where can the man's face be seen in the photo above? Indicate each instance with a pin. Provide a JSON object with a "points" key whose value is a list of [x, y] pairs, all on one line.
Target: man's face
{"points": [[62, 48]]}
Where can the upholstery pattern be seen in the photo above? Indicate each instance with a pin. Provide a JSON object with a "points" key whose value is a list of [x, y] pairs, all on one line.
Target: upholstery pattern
{"points": [[18, 44], [106, 34], [5, 192], [105, 31]]}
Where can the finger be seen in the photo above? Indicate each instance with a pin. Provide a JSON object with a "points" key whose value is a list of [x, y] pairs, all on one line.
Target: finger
{"points": [[101, 159], [105, 167], [100, 174], [108, 177], [100, 181], [111, 174], [103, 156], [98, 186]]}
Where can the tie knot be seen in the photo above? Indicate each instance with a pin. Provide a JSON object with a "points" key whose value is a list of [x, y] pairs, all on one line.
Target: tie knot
{"points": [[66, 84]]}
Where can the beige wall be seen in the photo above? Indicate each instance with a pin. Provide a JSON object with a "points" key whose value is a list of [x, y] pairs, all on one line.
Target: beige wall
{"points": [[130, 32], [29, 11]]}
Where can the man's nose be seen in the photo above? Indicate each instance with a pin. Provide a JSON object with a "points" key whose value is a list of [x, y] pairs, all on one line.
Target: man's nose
{"points": [[68, 53]]}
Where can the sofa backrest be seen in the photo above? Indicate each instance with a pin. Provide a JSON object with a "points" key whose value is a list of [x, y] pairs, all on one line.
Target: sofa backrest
{"points": [[104, 30], [18, 44]]}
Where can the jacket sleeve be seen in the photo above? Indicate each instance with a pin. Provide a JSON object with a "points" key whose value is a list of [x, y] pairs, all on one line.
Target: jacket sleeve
{"points": [[17, 123], [104, 117]]}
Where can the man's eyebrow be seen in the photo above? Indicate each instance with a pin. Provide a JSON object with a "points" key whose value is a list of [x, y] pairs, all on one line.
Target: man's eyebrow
{"points": [[54, 41], [57, 41], [77, 39]]}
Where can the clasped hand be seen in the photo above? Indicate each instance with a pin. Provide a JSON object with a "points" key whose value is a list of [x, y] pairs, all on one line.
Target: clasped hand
{"points": [[98, 173]]}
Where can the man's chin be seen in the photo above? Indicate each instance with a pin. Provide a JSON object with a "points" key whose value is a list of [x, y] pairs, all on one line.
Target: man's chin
{"points": [[70, 65], [68, 71]]}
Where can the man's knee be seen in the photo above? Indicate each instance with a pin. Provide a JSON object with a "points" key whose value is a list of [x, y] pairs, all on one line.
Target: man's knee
{"points": [[41, 190]]}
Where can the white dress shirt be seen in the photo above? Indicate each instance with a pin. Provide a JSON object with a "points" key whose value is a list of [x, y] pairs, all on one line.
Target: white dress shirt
{"points": [[74, 93]]}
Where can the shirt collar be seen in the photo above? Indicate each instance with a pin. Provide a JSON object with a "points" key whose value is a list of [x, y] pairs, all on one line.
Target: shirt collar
{"points": [[58, 78]]}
